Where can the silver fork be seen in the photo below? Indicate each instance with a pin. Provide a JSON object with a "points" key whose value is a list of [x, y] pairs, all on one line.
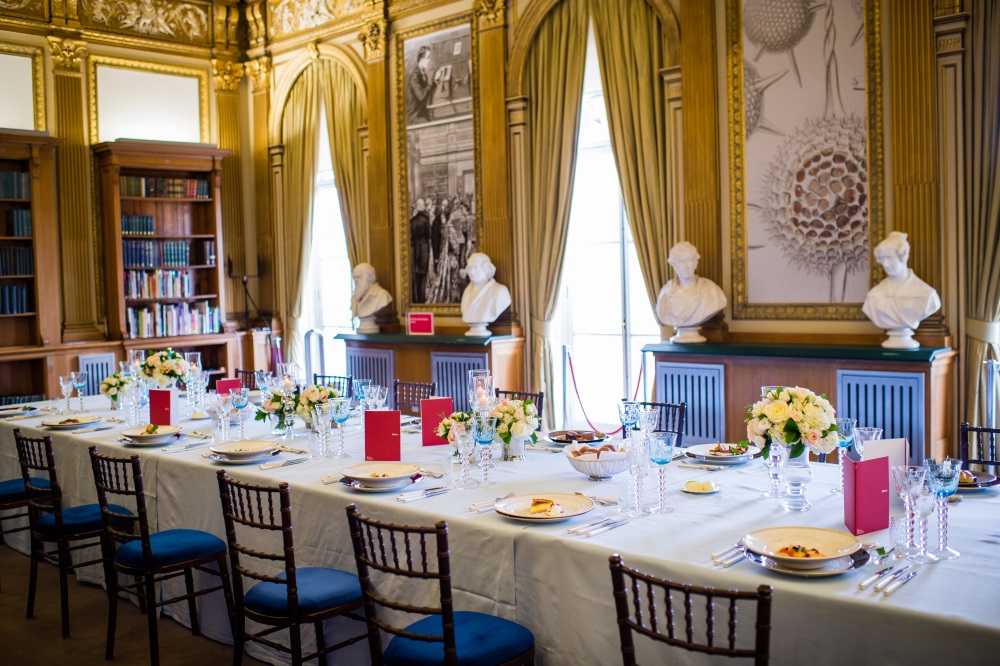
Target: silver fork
{"points": [[603, 501], [728, 553], [487, 505]]}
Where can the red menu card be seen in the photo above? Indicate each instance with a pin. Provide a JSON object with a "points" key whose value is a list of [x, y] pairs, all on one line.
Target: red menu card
{"points": [[163, 410], [420, 323], [432, 410], [382, 435], [866, 495], [224, 386]]}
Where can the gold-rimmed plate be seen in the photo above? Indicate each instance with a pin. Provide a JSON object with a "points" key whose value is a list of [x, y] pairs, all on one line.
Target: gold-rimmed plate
{"points": [[565, 506], [70, 422]]}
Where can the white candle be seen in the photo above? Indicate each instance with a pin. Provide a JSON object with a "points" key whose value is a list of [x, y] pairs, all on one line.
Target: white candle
{"points": [[288, 383]]}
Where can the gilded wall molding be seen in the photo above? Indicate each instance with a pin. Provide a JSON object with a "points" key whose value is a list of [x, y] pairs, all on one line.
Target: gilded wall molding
{"points": [[226, 18], [256, 14], [67, 55], [32, 9], [491, 13], [180, 20], [259, 73], [37, 78], [289, 17], [226, 75], [947, 7], [372, 38]]}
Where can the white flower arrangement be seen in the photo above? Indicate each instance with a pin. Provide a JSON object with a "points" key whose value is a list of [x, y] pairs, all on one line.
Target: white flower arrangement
{"points": [[516, 418], [794, 416], [311, 396], [111, 386], [165, 366], [443, 429]]}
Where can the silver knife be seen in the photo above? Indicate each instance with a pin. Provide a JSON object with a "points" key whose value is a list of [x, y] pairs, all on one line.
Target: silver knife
{"points": [[92, 429], [429, 493], [879, 586], [605, 528], [899, 583], [874, 577]]}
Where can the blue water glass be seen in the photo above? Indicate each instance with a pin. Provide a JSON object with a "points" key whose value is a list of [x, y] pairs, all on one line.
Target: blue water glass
{"points": [[628, 414], [485, 429], [845, 435], [942, 479], [661, 452], [341, 408]]}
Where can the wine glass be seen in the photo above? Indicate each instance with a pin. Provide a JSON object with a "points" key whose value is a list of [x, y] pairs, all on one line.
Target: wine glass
{"points": [[340, 409], [637, 450], [262, 379], [377, 396], [845, 435], [322, 418], [485, 429], [661, 452], [862, 435], [942, 478], [66, 386], [223, 407], [240, 398], [628, 413], [774, 461], [371, 397], [649, 418], [360, 395], [465, 439], [908, 481], [79, 383], [923, 504]]}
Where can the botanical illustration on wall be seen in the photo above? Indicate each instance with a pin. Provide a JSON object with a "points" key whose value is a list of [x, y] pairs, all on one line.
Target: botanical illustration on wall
{"points": [[437, 144]]}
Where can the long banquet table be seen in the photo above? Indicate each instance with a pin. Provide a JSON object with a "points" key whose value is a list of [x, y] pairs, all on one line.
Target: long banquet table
{"points": [[558, 584]]}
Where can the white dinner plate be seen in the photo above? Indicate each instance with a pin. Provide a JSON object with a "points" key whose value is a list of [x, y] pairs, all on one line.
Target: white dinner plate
{"points": [[831, 544], [358, 486], [200, 416], [17, 410], [834, 567], [250, 449], [380, 474], [701, 492], [984, 480], [240, 461], [70, 422], [174, 439], [519, 507], [703, 452], [162, 434]]}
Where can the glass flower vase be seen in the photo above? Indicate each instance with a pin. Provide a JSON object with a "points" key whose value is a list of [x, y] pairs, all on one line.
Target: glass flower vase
{"points": [[796, 475], [281, 423], [513, 451]]}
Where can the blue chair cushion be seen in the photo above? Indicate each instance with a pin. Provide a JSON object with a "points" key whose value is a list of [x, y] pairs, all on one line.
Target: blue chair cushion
{"points": [[13, 489], [319, 589], [78, 519], [170, 547], [480, 640]]}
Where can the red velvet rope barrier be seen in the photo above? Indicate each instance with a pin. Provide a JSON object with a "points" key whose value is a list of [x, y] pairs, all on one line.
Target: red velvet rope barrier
{"points": [[576, 389]]}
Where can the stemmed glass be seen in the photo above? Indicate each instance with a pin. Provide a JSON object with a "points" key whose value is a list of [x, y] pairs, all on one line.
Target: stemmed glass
{"points": [[340, 409], [66, 386], [637, 450], [322, 418], [661, 452], [649, 418], [465, 439], [923, 504], [628, 413], [774, 461], [79, 383], [223, 406], [845, 435], [361, 395], [909, 483], [862, 435], [193, 359], [262, 379], [377, 398], [485, 429], [137, 359], [942, 478], [240, 398]]}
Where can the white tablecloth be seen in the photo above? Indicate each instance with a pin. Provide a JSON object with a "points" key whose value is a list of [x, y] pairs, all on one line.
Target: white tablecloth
{"points": [[558, 585]]}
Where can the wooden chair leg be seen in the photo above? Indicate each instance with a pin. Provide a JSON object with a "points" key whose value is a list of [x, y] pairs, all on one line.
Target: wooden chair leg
{"points": [[239, 634], [295, 634], [142, 597], [154, 642], [320, 643], [33, 578], [109, 649], [227, 592], [192, 602], [64, 565]]}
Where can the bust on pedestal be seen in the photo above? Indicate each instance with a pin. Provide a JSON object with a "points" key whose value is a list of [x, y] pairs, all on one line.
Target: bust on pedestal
{"points": [[902, 300], [484, 299], [687, 301], [369, 297]]}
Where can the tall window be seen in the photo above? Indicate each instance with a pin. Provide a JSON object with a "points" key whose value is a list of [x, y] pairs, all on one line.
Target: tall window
{"points": [[603, 315], [329, 282]]}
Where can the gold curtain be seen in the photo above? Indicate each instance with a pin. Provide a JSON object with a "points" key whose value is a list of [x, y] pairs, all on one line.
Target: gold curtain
{"points": [[631, 50], [300, 135], [344, 115], [982, 195], [554, 77]]}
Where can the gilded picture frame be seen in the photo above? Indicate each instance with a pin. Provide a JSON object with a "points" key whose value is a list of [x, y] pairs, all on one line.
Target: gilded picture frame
{"points": [[37, 78], [833, 265], [434, 182]]}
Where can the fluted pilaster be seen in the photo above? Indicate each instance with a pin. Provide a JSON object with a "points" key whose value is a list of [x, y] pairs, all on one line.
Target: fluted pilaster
{"points": [[227, 75], [259, 73]]}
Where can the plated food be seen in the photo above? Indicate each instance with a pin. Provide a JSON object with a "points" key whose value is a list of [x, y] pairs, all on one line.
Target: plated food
{"points": [[737, 449], [970, 481], [701, 487], [248, 451], [387, 475], [801, 547], [568, 436], [70, 423], [722, 453], [598, 463], [544, 507], [834, 567], [151, 434]]}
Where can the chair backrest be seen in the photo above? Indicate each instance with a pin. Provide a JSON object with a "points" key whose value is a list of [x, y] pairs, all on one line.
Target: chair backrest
{"points": [[410, 552], [672, 417], [267, 508], [978, 446], [36, 454], [409, 394], [343, 384], [248, 379], [635, 604], [122, 477], [538, 399]]}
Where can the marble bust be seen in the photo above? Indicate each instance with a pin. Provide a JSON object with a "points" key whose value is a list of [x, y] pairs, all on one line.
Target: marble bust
{"points": [[902, 300], [484, 299], [687, 301], [369, 297]]}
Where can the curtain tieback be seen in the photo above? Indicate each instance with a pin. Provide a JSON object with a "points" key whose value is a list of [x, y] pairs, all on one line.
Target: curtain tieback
{"points": [[985, 331], [540, 327]]}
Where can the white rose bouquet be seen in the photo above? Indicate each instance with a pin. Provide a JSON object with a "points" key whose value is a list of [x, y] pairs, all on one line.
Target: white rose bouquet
{"points": [[165, 367], [111, 386], [516, 418], [443, 429], [794, 416], [311, 396]]}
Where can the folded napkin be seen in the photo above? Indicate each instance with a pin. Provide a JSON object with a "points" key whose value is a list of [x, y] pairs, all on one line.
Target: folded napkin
{"points": [[23, 416], [173, 448]]}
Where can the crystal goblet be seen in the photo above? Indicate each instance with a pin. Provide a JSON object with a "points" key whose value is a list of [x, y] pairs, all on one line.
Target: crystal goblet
{"points": [[628, 414], [942, 479], [341, 411], [661, 452], [485, 429], [465, 440], [862, 435], [845, 435]]}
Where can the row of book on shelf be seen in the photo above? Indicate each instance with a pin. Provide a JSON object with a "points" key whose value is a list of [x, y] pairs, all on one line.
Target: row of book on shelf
{"points": [[162, 187], [138, 224], [16, 260], [18, 223], [159, 284], [15, 299], [167, 320], [15, 185], [167, 254]]}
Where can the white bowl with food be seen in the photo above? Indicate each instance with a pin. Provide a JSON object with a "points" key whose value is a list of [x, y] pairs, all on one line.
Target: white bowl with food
{"points": [[249, 449], [801, 547], [375, 474], [598, 461], [152, 434]]}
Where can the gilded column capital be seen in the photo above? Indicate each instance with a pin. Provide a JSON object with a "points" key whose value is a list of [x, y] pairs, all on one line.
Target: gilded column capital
{"points": [[372, 37], [67, 55], [227, 74], [259, 72], [491, 13]]}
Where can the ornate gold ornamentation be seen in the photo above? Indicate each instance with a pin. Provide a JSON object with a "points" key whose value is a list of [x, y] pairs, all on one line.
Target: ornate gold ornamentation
{"points": [[227, 75], [37, 78], [373, 39], [259, 71], [947, 7], [491, 11], [67, 54], [256, 22], [227, 17], [36, 9], [313, 50], [155, 18]]}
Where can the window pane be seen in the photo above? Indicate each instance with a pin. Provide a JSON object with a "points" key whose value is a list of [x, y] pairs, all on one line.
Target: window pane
{"points": [[598, 361]]}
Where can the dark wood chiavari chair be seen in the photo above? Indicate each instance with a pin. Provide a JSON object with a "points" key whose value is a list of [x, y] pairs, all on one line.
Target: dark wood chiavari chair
{"points": [[70, 529], [445, 636], [343, 384], [978, 446], [248, 379], [635, 604], [13, 496], [538, 399], [294, 597], [409, 394], [672, 417]]}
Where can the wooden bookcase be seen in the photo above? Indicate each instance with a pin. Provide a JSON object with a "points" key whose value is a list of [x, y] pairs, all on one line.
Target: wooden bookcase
{"points": [[29, 281], [162, 215]]}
